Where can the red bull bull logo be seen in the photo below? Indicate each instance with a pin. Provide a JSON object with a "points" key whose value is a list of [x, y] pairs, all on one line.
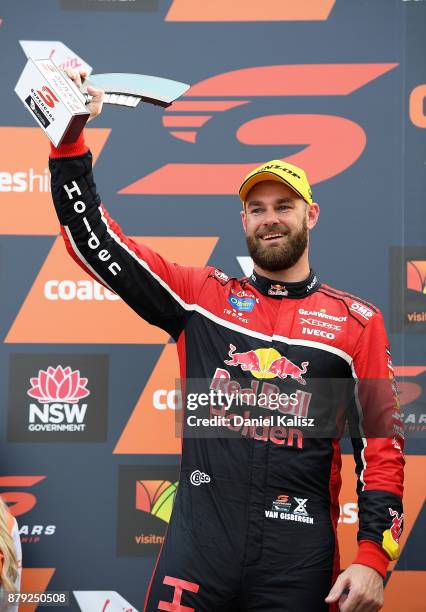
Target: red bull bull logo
{"points": [[397, 521], [267, 363], [247, 361], [277, 290], [390, 540], [283, 367]]}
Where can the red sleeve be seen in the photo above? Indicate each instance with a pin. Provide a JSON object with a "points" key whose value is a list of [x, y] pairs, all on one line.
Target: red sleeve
{"points": [[71, 149], [377, 438], [162, 292]]}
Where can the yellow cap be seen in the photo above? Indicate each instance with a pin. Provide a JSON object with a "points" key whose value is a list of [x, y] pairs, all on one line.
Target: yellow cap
{"points": [[277, 170]]}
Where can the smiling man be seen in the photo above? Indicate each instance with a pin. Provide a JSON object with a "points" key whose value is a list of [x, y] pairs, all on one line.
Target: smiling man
{"points": [[276, 219], [254, 521]]}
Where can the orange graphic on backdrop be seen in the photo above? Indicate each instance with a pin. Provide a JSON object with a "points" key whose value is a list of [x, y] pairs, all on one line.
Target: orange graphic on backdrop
{"points": [[27, 206], [405, 591], [290, 80], [408, 390], [191, 120], [19, 502], [35, 580], [250, 10], [95, 321], [416, 276], [417, 106], [331, 144], [150, 430]]}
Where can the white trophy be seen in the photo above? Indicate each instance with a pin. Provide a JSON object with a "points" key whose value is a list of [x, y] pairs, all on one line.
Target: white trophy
{"points": [[59, 107]]}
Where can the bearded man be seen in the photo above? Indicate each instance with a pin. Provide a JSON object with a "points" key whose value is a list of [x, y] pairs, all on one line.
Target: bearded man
{"points": [[254, 520]]}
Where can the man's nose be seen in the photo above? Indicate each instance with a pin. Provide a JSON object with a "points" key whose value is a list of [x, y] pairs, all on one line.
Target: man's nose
{"points": [[271, 217]]}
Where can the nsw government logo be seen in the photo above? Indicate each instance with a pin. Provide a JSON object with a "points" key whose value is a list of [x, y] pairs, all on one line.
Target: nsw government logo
{"points": [[57, 398]]}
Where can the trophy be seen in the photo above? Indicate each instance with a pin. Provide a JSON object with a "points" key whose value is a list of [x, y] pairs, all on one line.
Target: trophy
{"points": [[129, 89], [59, 106]]}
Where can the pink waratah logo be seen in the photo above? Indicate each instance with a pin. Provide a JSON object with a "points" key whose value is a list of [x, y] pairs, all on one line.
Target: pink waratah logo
{"points": [[58, 385]]}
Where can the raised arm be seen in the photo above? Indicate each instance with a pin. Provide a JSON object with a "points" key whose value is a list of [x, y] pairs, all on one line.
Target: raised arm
{"points": [[161, 292]]}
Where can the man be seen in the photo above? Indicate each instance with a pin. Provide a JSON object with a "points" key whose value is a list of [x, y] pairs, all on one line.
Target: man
{"points": [[254, 520]]}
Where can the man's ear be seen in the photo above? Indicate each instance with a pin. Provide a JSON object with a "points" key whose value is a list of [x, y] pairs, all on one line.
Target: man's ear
{"points": [[313, 211], [244, 219]]}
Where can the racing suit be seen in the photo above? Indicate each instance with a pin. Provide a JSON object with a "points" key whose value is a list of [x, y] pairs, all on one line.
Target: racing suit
{"points": [[254, 520]]}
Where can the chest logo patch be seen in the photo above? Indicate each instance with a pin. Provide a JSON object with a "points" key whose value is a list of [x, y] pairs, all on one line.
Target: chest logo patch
{"points": [[267, 363], [245, 304]]}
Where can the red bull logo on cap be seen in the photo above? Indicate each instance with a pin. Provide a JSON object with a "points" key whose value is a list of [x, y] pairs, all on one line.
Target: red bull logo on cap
{"points": [[267, 363]]}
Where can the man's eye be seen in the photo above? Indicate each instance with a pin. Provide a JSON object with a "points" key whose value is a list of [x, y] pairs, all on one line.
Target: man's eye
{"points": [[256, 211], [283, 207]]}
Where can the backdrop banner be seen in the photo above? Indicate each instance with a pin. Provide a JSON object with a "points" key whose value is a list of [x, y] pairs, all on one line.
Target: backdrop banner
{"points": [[89, 449]]}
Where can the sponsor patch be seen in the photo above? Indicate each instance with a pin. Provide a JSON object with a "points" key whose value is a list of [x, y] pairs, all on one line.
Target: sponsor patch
{"points": [[277, 290], [322, 314], [288, 508], [242, 304], [37, 111], [220, 276], [266, 363], [390, 540], [362, 310], [319, 323], [197, 478]]}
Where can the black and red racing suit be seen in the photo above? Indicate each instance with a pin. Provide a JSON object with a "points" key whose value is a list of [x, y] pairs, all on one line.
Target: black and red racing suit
{"points": [[254, 521]]}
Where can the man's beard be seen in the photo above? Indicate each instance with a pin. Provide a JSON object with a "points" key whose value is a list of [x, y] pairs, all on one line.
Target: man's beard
{"points": [[276, 257]]}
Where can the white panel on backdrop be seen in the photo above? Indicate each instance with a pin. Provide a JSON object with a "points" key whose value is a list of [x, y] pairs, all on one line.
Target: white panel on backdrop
{"points": [[246, 264], [63, 56], [102, 601]]}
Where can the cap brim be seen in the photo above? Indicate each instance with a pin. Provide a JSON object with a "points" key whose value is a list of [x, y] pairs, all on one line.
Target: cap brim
{"points": [[259, 178]]}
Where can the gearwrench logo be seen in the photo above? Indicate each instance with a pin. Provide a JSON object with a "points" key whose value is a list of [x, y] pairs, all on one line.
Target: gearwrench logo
{"points": [[331, 143]]}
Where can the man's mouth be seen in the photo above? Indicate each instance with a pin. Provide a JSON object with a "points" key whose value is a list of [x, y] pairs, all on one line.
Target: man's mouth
{"points": [[272, 236]]}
